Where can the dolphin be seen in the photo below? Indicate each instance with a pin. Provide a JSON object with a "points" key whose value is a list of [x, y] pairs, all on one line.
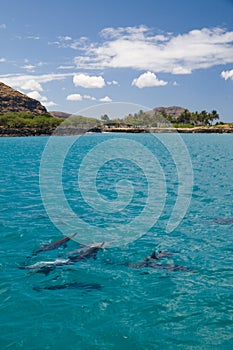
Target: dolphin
{"points": [[84, 248], [73, 285], [90, 252], [223, 221], [54, 245], [47, 266], [170, 267], [156, 256], [163, 254], [149, 261]]}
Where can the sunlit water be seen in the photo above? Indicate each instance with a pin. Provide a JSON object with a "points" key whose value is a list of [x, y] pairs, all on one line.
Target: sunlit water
{"points": [[126, 308]]}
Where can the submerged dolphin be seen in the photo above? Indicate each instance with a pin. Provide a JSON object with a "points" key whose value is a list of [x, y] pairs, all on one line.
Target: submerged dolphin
{"points": [[156, 256], [74, 285], [54, 245], [223, 221], [170, 267], [149, 261]]}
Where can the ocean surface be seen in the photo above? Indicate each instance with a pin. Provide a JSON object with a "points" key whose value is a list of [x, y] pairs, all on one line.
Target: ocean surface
{"points": [[105, 303]]}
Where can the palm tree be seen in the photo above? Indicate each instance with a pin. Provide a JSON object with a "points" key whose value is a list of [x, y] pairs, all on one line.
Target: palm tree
{"points": [[203, 117], [213, 116]]}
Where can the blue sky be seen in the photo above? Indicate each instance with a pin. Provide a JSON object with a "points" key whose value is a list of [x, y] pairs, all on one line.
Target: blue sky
{"points": [[73, 54]]}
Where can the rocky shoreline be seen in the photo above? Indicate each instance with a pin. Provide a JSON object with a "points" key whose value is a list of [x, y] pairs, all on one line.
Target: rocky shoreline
{"points": [[16, 132], [194, 130], [12, 132]]}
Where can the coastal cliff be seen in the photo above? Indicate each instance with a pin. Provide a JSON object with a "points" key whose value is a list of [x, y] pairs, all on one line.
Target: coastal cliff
{"points": [[12, 100]]}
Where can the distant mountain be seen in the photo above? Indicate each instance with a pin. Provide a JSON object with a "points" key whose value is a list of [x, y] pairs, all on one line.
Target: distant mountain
{"points": [[58, 114], [173, 111], [12, 100], [159, 116]]}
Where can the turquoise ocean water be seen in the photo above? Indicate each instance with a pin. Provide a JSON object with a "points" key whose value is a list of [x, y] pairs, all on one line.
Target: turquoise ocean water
{"points": [[115, 306]]}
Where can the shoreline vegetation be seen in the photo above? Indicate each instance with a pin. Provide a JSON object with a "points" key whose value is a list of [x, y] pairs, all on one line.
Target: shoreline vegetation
{"points": [[23, 132], [28, 124]]}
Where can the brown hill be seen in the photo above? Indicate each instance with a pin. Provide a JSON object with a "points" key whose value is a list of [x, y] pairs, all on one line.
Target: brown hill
{"points": [[173, 111], [58, 114], [12, 100]]}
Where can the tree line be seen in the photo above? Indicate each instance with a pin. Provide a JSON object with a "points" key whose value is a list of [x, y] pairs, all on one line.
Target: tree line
{"points": [[21, 120], [157, 119], [195, 118], [28, 120]]}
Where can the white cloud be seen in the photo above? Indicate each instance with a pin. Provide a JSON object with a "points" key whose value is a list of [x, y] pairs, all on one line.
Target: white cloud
{"points": [[29, 67], [2, 60], [78, 97], [37, 96], [49, 104], [227, 74], [148, 79], [43, 99], [181, 70], [54, 43], [88, 97], [88, 81], [106, 99], [139, 48], [31, 82], [135, 33], [65, 38], [113, 82], [74, 97], [68, 42], [33, 37], [66, 67], [29, 37], [2, 26]]}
